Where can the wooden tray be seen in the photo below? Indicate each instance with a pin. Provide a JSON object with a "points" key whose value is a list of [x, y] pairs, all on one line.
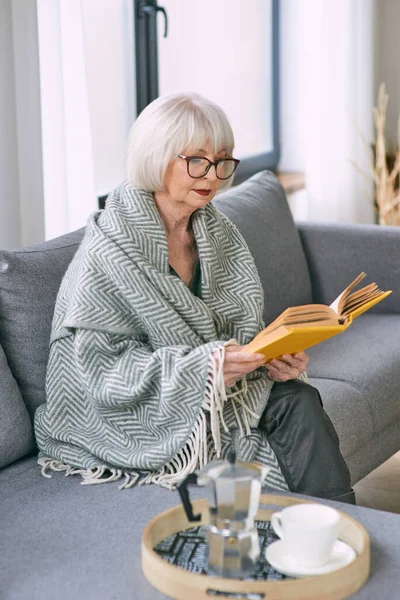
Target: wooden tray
{"points": [[182, 585]]}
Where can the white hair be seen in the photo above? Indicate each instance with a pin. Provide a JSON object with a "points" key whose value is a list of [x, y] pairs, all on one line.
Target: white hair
{"points": [[165, 128]]}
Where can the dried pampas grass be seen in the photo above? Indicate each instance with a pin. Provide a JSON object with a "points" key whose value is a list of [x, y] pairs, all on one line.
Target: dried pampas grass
{"points": [[387, 193], [385, 168]]}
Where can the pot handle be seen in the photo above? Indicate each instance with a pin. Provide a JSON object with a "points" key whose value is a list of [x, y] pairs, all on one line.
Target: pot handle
{"points": [[184, 494]]}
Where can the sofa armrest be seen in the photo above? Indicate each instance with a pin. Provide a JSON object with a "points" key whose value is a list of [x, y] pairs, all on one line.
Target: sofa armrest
{"points": [[337, 253]]}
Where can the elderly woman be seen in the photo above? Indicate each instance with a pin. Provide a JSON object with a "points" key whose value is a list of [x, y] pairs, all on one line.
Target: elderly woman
{"points": [[147, 380]]}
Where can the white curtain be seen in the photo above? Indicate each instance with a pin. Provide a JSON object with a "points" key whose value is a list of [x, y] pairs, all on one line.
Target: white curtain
{"points": [[327, 97], [68, 173], [21, 193], [68, 104]]}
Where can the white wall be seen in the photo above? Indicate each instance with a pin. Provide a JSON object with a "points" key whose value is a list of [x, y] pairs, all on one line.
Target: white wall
{"points": [[387, 60], [326, 95], [295, 73], [10, 235], [29, 135], [293, 92], [21, 191], [293, 79]]}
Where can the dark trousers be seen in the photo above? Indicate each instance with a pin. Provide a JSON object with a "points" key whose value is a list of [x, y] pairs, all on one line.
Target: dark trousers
{"points": [[305, 442]]}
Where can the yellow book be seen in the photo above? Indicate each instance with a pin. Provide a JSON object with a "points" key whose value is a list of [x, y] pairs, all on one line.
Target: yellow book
{"points": [[300, 327]]}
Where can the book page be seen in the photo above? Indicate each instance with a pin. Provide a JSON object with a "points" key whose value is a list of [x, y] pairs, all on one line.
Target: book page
{"points": [[360, 297], [337, 305], [303, 314], [367, 305]]}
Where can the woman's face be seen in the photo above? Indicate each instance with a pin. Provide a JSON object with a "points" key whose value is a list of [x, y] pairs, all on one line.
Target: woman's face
{"points": [[189, 192]]}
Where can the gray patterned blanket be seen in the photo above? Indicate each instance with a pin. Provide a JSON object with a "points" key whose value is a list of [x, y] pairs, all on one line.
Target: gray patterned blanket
{"points": [[134, 384]]}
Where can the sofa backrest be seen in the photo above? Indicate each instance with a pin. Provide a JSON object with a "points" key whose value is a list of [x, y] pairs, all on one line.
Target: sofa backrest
{"points": [[259, 209], [29, 282], [30, 278], [16, 431]]}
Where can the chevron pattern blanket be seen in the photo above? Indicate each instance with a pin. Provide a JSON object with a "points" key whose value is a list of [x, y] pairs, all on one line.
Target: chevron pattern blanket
{"points": [[134, 386]]}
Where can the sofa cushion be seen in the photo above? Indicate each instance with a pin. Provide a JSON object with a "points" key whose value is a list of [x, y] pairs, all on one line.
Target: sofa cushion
{"points": [[66, 541], [16, 432], [29, 282], [258, 207], [366, 357]]}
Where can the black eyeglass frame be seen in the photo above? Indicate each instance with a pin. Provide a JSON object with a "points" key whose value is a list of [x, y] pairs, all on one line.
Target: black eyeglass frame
{"points": [[211, 164]]}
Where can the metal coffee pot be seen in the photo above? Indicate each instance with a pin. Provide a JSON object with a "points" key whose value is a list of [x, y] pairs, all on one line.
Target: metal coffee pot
{"points": [[233, 494]]}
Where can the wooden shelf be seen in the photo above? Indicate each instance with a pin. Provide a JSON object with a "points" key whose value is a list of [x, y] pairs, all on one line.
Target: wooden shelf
{"points": [[291, 182]]}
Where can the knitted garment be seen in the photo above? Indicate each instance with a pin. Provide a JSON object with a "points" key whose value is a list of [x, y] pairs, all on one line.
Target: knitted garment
{"points": [[135, 385]]}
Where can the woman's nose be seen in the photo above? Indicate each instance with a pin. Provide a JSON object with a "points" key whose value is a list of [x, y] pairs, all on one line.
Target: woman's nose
{"points": [[212, 173]]}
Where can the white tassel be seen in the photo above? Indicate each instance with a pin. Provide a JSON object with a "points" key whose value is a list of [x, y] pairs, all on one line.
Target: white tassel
{"points": [[54, 465], [91, 476], [199, 449], [239, 422], [133, 481]]}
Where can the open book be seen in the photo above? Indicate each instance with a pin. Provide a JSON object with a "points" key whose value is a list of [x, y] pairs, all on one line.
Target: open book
{"points": [[300, 327]]}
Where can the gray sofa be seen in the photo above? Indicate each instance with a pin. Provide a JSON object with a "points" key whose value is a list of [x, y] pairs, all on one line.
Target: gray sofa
{"points": [[60, 539]]}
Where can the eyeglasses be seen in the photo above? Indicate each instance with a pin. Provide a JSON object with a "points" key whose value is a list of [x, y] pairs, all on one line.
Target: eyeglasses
{"points": [[198, 166]]}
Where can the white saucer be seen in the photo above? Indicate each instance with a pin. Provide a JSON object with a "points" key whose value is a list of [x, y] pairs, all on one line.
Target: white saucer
{"points": [[277, 557]]}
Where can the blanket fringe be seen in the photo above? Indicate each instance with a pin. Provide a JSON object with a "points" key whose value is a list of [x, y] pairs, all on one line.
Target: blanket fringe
{"points": [[91, 476], [199, 449]]}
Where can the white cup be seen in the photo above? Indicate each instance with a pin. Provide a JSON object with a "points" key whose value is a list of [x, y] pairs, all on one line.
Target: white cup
{"points": [[309, 532]]}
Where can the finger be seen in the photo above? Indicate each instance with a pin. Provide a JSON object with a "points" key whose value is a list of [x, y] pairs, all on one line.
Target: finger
{"points": [[292, 360], [232, 378], [239, 363], [249, 360], [280, 365], [277, 376], [290, 365], [303, 357], [283, 368], [243, 357], [238, 372], [284, 374], [301, 366], [233, 348], [289, 374]]}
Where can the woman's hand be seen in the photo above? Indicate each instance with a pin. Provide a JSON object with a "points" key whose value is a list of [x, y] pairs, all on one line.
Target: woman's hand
{"points": [[288, 367], [237, 364]]}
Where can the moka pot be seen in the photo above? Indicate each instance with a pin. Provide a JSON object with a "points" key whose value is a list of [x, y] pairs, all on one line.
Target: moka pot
{"points": [[233, 492]]}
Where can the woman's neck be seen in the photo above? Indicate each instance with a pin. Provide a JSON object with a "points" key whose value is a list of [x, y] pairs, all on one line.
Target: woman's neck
{"points": [[177, 222]]}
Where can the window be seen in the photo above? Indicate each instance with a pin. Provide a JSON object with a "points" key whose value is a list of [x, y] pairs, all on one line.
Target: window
{"points": [[226, 50]]}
